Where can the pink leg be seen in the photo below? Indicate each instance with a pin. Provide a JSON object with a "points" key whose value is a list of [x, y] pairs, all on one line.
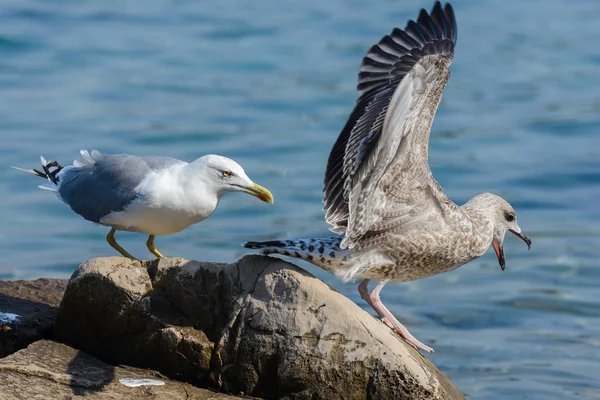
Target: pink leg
{"points": [[363, 289], [386, 316]]}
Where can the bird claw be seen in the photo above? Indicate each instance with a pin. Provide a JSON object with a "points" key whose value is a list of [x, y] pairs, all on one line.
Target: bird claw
{"points": [[420, 346]]}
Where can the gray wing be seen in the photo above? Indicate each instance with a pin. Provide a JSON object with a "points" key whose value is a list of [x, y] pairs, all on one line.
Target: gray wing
{"points": [[378, 177], [102, 184]]}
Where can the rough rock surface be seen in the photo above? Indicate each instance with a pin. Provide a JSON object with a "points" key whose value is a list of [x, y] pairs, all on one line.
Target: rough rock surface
{"points": [[48, 370], [27, 311], [260, 327]]}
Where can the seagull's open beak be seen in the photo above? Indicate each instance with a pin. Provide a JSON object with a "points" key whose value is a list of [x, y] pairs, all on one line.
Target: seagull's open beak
{"points": [[523, 237], [499, 249], [260, 192]]}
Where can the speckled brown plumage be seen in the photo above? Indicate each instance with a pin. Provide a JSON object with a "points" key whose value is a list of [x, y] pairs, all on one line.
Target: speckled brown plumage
{"points": [[394, 220]]}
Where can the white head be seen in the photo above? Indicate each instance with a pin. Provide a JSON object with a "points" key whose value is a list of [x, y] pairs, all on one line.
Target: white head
{"points": [[502, 217], [225, 175]]}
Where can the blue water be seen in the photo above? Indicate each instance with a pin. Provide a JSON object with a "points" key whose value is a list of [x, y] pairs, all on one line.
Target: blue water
{"points": [[270, 84]]}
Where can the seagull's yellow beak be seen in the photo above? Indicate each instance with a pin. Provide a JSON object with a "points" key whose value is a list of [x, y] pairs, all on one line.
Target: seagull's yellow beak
{"points": [[261, 192]]}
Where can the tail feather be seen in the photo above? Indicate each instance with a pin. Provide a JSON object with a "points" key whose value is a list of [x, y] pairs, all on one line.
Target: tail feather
{"points": [[325, 253], [51, 170], [31, 171]]}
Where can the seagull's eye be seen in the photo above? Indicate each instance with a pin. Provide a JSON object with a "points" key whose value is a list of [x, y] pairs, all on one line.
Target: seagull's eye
{"points": [[509, 217], [227, 174]]}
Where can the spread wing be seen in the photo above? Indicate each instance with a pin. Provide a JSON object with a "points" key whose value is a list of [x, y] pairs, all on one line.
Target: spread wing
{"points": [[377, 174]]}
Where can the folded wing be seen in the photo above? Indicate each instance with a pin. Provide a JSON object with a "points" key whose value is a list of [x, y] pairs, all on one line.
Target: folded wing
{"points": [[100, 184]]}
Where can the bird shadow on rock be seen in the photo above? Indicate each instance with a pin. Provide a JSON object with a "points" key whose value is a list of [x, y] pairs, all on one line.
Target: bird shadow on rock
{"points": [[88, 375]]}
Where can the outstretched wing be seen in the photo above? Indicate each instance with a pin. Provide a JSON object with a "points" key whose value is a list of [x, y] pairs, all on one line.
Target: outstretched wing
{"points": [[378, 166]]}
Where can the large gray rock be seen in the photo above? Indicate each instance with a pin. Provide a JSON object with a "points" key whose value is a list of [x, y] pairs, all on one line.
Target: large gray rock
{"points": [[261, 327], [48, 370], [27, 311]]}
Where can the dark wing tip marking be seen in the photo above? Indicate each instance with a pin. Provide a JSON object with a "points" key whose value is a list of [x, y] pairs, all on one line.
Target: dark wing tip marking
{"points": [[427, 23], [396, 53], [382, 69]]}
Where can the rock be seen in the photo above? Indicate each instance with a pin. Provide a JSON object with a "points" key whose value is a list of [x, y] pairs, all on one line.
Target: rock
{"points": [[27, 311], [260, 326], [49, 370]]}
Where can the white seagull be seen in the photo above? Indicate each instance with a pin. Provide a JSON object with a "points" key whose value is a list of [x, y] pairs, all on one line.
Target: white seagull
{"points": [[151, 195]]}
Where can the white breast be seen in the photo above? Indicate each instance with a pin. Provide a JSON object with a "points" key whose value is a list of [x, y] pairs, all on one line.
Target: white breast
{"points": [[138, 217]]}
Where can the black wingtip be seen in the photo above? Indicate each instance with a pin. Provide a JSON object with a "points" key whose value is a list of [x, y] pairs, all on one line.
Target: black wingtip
{"points": [[394, 55], [445, 19], [449, 11]]}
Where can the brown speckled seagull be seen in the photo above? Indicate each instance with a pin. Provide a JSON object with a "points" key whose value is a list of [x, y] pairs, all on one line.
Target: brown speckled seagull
{"points": [[394, 220]]}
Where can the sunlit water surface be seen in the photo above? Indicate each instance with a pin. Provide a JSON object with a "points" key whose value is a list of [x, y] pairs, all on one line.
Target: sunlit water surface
{"points": [[270, 84]]}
